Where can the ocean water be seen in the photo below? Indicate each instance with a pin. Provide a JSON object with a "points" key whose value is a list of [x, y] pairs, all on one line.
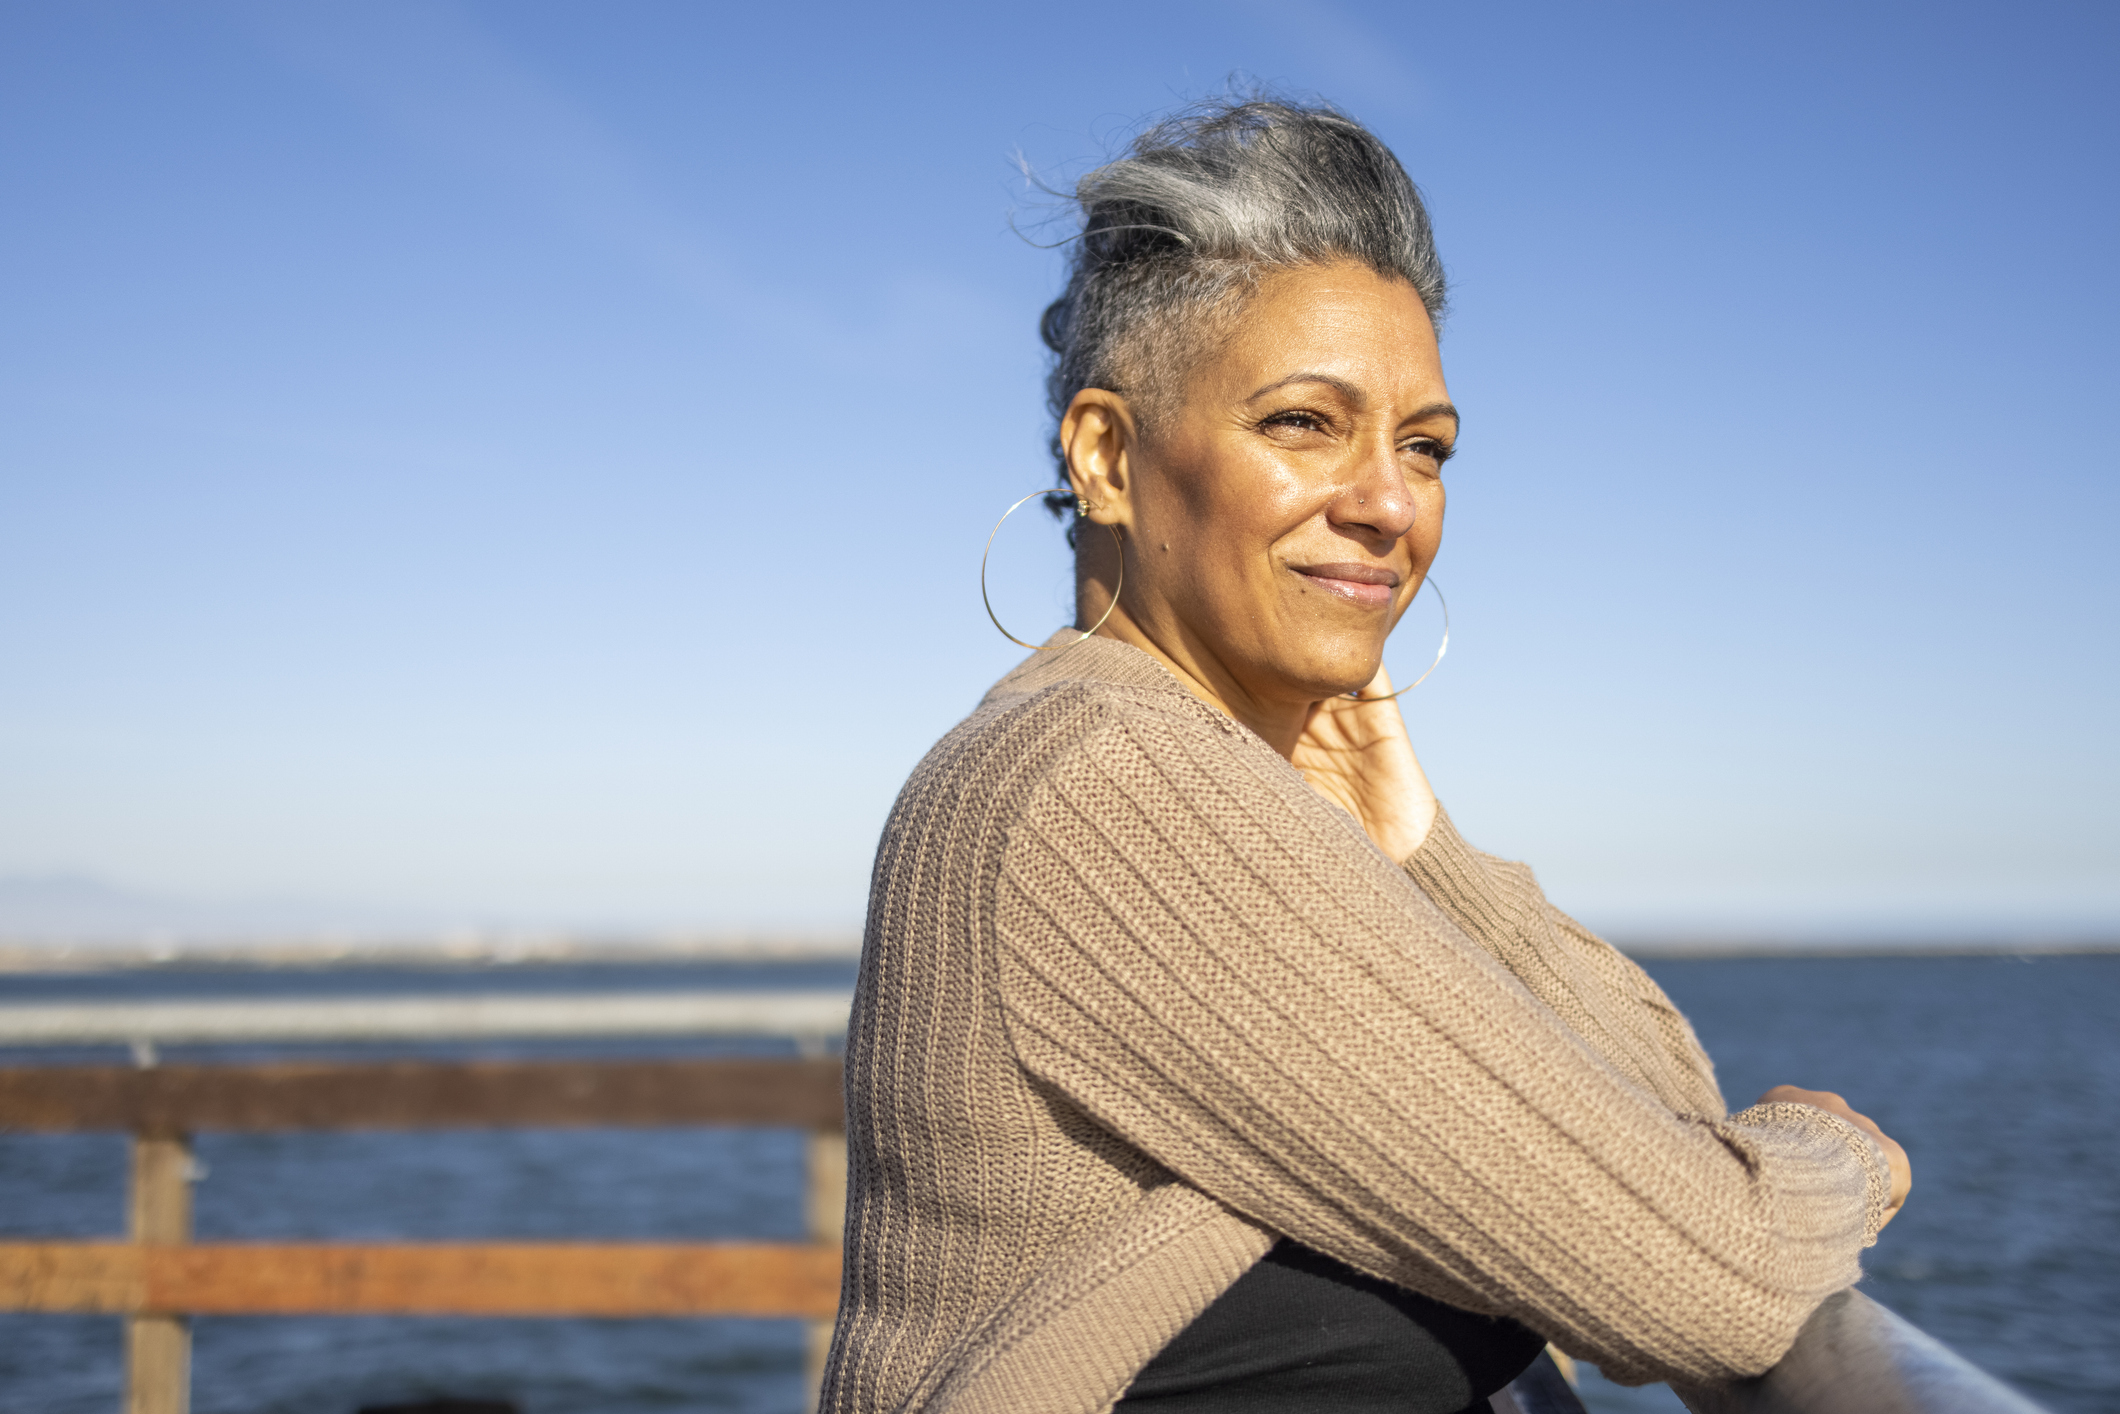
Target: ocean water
{"points": [[2000, 1075]]}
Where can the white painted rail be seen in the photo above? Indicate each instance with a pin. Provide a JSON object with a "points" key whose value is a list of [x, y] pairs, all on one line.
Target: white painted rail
{"points": [[428, 1018]]}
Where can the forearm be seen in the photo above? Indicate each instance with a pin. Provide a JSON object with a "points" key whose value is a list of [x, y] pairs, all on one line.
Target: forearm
{"points": [[1603, 994], [1231, 981], [1431, 1139]]}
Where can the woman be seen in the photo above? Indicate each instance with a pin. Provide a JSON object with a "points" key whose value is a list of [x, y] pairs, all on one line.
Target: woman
{"points": [[1196, 1062]]}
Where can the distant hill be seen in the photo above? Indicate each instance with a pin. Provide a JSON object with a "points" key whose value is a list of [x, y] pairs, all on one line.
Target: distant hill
{"points": [[79, 909]]}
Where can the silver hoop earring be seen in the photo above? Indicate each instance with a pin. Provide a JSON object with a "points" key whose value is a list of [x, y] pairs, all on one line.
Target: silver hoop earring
{"points": [[1440, 650], [1082, 508]]}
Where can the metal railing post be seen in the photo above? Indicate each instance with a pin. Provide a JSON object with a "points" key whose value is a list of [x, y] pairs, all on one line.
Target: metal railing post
{"points": [[157, 1346], [828, 1216]]}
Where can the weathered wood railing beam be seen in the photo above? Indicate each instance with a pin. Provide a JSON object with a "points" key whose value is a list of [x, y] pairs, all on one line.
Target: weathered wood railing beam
{"points": [[157, 1282], [826, 1202], [191, 1099], [560, 1279], [158, 1337], [1852, 1356]]}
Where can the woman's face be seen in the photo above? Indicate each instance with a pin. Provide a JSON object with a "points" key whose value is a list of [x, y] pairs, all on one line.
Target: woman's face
{"points": [[1284, 512]]}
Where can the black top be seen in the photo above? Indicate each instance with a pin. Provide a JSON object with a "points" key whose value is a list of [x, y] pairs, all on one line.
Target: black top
{"points": [[1301, 1333]]}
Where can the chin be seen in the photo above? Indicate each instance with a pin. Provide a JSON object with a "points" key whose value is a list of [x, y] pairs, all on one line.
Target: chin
{"points": [[1319, 670]]}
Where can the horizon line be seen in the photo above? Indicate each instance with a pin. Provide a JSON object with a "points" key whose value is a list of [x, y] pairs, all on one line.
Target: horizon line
{"points": [[34, 955]]}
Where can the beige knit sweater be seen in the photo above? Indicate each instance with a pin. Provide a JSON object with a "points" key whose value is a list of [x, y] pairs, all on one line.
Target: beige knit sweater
{"points": [[1135, 1001]]}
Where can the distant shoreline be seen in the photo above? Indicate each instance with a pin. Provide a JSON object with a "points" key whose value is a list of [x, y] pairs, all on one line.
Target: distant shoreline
{"points": [[1712, 951], [42, 956]]}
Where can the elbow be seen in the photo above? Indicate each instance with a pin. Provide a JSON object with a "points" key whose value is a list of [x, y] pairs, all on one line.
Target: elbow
{"points": [[1695, 1359], [1735, 1329]]}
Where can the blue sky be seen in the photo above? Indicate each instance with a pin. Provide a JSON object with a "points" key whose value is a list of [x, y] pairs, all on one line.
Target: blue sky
{"points": [[524, 465]]}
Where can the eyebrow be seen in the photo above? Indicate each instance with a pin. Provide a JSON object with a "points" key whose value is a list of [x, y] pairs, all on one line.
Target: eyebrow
{"points": [[1352, 393]]}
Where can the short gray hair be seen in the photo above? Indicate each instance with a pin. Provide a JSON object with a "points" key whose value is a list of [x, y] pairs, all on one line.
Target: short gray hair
{"points": [[1180, 229]]}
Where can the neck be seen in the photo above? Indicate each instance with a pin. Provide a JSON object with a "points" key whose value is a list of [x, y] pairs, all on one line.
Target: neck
{"points": [[1278, 724]]}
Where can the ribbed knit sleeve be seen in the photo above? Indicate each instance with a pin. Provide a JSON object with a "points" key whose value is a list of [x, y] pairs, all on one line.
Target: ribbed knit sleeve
{"points": [[1599, 991], [1203, 956]]}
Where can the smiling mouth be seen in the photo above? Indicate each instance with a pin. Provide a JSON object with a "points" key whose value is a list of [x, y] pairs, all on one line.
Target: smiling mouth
{"points": [[1371, 586]]}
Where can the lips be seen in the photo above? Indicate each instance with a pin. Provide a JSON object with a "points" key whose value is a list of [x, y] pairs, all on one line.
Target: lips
{"points": [[1369, 585]]}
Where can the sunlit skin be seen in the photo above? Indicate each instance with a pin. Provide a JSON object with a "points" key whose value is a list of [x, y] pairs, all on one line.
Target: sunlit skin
{"points": [[1277, 522]]}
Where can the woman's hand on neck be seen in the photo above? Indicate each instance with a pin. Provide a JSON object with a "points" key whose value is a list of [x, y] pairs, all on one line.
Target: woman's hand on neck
{"points": [[1355, 754]]}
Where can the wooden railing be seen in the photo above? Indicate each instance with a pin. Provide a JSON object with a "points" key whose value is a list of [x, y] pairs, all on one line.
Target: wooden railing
{"points": [[1853, 1357], [158, 1278]]}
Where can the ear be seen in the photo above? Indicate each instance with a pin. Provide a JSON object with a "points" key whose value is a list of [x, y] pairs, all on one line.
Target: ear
{"points": [[1098, 437]]}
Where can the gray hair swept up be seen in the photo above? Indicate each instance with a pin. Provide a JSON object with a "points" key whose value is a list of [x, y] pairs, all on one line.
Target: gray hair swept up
{"points": [[1178, 231]]}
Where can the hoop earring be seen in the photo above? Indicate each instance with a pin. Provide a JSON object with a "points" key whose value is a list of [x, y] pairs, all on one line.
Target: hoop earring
{"points": [[1082, 507], [1441, 649]]}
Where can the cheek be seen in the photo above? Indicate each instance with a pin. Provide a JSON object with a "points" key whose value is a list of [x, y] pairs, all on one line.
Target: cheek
{"points": [[1427, 532], [1233, 508]]}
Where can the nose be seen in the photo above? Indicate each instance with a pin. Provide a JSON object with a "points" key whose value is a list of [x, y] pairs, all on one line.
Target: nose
{"points": [[1378, 505]]}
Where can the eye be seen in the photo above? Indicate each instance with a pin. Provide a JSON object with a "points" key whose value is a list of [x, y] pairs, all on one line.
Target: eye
{"points": [[1295, 420], [1429, 447]]}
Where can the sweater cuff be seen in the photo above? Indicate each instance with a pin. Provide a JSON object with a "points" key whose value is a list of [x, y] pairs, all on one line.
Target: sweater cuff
{"points": [[1867, 1152]]}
